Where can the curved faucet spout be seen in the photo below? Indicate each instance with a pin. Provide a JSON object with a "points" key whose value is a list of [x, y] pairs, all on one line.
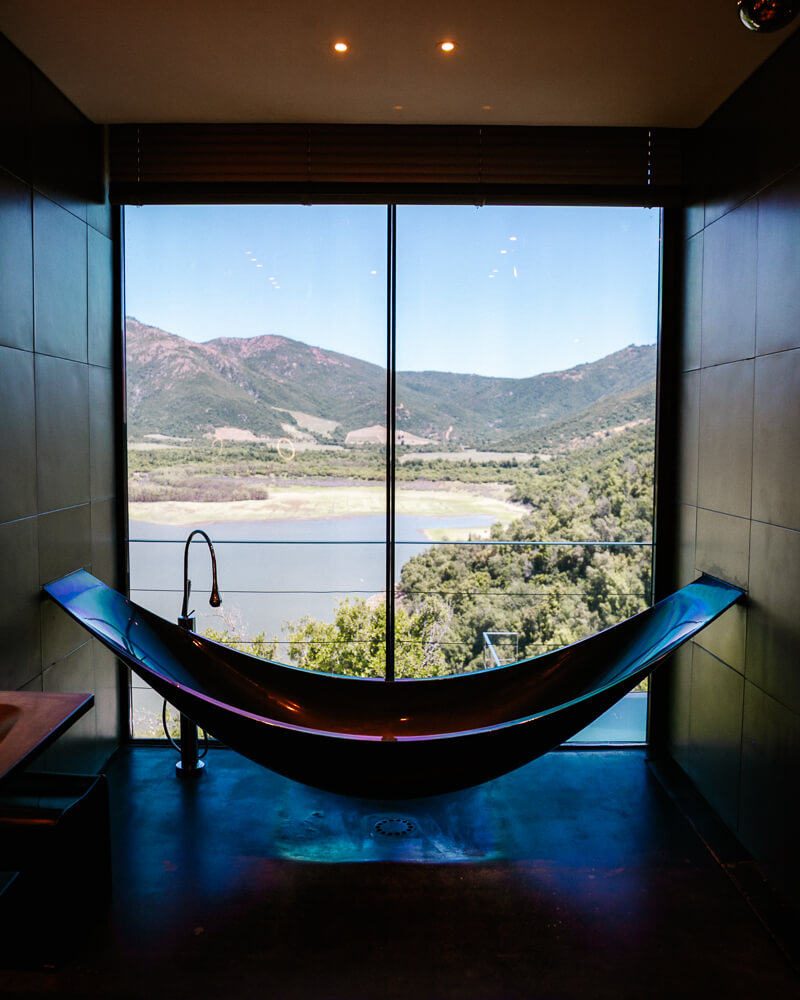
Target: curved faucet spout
{"points": [[214, 600]]}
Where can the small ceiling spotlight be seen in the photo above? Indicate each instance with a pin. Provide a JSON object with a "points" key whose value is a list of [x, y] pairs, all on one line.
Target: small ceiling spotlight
{"points": [[340, 46], [767, 15], [446, 46]]}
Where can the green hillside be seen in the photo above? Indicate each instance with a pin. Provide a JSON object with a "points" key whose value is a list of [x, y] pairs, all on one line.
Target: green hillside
{"points": [[607, 417]]}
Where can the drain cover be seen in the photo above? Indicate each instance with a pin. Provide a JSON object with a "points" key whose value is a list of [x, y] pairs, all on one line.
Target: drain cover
{"points": [[394, 827]]}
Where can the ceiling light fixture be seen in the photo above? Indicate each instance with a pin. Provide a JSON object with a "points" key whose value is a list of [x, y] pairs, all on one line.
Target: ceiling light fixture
{"points": [[446, 46], [767, 15], [340, 46]]}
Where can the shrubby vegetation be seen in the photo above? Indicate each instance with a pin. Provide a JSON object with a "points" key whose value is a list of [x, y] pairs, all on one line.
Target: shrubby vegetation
{"points": [[202, 472], [550, 594]]}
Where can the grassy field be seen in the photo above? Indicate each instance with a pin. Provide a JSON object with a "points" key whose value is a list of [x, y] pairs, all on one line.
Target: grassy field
{"points": [[301, 502]]}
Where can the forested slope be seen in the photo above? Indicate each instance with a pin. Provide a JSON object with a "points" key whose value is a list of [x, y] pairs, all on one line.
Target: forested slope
{"points": [[548, 595]]}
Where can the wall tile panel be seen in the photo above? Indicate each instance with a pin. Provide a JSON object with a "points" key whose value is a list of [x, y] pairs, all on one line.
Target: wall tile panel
{"points": [[104, 541], [107, 697], [100, 304], [776, 439], [689, 437], [19, 623], [33, 685], [687, 544], [680, 700], [59, 275], [60, 633], [778, 309], [692, 302], [715, 733], [773, 637], [725, 449], [65, 542], [78, 746], [729, 287], [726, 638], [17, 435], [62, 433], [101, 432], [16, 263], [723, 546]]}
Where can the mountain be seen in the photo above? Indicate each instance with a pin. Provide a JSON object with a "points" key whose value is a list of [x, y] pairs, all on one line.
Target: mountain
{"points": [[273, 386]]}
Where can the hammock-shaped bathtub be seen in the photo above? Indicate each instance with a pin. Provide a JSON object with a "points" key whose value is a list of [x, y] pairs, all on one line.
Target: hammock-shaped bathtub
{"points": [[397, 739]]}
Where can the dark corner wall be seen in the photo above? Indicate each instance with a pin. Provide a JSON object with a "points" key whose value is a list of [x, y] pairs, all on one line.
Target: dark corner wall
{"points": [[57, 451], [734, 694]]}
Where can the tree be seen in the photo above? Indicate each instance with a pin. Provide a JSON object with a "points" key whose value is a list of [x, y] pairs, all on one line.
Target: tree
{"points": [[355, 642]]}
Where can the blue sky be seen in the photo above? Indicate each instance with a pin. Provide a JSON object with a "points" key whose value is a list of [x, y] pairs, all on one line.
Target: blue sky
{"points": [[496, 291]]}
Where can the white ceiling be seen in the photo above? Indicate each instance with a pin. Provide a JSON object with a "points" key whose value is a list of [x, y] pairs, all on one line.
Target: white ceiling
{"points": [[581, 62]]}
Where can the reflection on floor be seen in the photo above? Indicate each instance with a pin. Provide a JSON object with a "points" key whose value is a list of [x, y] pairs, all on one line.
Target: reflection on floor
{"points": [[575, 876]]}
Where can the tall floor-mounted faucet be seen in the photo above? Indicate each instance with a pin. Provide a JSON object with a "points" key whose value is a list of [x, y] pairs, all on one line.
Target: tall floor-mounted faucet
{"points": [[186, 620], [190, 765]]}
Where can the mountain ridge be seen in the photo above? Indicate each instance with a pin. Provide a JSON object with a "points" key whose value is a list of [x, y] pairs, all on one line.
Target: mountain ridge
{"points": [[180, 388]]}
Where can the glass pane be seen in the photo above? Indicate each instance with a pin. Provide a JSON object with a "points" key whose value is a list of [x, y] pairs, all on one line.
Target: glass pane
{"points": [[525, 412], [256, 351]]}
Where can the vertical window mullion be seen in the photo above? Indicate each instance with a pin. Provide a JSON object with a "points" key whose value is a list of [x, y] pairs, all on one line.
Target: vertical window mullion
{"points": [[391, 388]]}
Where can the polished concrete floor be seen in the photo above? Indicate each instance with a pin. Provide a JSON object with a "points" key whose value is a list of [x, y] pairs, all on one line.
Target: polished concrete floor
{"points": [[576, 876]]}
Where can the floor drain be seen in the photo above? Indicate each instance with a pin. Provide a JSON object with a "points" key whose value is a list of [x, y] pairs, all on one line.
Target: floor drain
{"points": [[394, 827]]}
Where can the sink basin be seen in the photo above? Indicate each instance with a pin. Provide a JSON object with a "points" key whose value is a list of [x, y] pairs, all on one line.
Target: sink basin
{"points": [[31, 720]]}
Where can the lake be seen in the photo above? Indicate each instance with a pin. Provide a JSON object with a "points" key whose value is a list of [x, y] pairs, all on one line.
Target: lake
{"points": [[265, 577]]}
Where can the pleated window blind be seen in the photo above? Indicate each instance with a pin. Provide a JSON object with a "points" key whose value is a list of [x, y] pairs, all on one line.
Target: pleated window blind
{"points": [[193, 164]]}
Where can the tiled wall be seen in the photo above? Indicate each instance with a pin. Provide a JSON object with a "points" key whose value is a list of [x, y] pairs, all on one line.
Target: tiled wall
{"points": [[735, 692], [56, 398]]}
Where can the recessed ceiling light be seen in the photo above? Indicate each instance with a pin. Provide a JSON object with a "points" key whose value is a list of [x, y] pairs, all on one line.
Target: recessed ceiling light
{"points": [[340, 46], [486, 107], [447, 46], [398, 107]]}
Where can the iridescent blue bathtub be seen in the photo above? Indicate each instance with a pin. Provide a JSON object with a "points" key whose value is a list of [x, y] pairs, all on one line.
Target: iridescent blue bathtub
{"points": [[396, 739]]}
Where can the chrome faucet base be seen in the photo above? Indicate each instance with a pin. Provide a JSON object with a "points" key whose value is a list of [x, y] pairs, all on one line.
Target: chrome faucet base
{"points": [[194, 771]]}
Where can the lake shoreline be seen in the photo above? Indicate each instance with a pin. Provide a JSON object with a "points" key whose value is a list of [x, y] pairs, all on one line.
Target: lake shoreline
{"points": [[303, 503]]}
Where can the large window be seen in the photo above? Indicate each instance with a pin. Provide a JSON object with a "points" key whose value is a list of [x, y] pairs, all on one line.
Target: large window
{"points": [[451, 405]]}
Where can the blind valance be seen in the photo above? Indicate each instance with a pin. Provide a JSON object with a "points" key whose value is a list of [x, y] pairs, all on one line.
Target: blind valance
{"points": [[190, 164]]}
